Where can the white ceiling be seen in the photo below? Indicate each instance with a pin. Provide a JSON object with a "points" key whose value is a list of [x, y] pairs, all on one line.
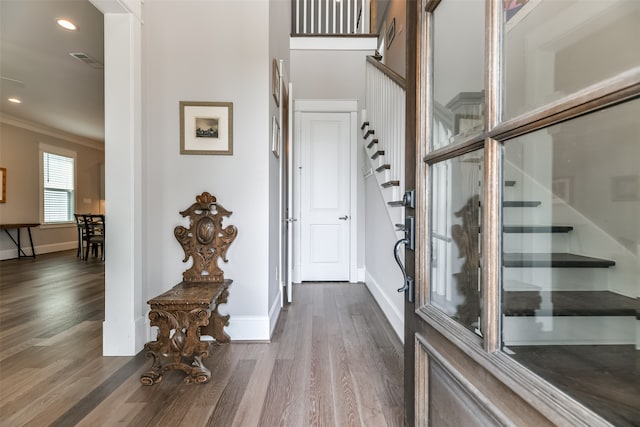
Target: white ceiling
{"points": [[56, 89]]}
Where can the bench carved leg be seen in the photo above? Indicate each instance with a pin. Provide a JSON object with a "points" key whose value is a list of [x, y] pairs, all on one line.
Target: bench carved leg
{"points": [[183, 349], [217, 322]]}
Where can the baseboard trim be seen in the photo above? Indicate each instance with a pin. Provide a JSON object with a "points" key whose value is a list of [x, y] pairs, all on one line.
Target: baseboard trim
{"points": [[248, 328], [393, 315], [42, 249], [274, 312]]}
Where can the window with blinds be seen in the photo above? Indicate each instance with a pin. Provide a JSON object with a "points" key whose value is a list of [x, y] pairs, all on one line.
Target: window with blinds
{"points": [[58, 187]]}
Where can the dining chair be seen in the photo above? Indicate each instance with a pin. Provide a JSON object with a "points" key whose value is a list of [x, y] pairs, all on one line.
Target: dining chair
{"points": [[80, 224], [94, 235]]}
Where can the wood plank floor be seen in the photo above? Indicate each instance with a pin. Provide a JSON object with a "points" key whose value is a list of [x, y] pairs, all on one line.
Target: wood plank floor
{"points": [[333, 360]]}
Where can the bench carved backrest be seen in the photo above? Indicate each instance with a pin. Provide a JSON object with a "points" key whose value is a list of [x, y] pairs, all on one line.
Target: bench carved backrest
{"points": [[205, 240]]}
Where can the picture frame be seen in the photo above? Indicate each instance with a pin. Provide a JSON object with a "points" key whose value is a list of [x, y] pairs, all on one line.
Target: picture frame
{"points": [[391, 32], [275, 82], [561, 188], [206, 127], [275, 137], [3, 185], [625, 188]]}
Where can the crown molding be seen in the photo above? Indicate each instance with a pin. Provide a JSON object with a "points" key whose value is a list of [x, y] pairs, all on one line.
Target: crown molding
{"points": [[52, 132]]}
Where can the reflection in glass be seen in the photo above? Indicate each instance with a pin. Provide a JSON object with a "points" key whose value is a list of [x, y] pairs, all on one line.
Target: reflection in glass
{"points": [[455, 238], [458, 71], [555, 48], [571, 261]]}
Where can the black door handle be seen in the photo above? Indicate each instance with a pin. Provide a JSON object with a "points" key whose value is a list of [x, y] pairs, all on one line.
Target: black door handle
{"points": [[408, 280]]}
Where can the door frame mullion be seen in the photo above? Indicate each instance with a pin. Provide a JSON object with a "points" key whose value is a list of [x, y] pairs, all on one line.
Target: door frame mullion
{"points": [[492, 207]]}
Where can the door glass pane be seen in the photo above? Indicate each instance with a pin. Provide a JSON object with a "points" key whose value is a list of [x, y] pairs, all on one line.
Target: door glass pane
{"points": [[458, 71], [571, 261], [554, 48], [455, 237]]}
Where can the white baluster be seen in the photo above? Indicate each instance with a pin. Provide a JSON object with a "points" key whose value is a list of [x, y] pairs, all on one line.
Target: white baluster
{"points": [[313, 9], [304, 17]]}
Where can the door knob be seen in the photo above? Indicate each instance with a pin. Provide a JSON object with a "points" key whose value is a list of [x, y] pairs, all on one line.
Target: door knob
{"points": [[344, 218]]}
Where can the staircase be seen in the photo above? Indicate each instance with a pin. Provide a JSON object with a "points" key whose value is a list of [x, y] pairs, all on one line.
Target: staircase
{"points": [[383, 135], [551, 294]]}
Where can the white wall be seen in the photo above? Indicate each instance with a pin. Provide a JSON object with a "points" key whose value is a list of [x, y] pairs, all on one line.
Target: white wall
{"points": [[209, 51], [395, 55], [383, 276]]}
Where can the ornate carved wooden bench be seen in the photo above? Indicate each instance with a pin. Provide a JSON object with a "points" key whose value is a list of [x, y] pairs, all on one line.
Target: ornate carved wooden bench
{"points": [[190, 309]]}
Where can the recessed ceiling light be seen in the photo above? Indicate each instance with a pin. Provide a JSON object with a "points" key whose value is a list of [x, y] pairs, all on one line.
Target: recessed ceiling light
{"points": [[64, 23], [14, 100]]}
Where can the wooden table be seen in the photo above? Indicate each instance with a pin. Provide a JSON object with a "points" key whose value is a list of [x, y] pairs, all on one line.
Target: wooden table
{"points": [[17, 227], [189, 309]]}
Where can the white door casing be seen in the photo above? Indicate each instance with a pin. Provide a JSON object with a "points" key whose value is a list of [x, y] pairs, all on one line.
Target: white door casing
{"points": [[289, 202]]}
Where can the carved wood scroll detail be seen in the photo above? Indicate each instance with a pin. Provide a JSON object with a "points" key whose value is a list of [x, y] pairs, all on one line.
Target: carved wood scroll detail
{"points": [[182, 315], [466, 238], [205, 241]]}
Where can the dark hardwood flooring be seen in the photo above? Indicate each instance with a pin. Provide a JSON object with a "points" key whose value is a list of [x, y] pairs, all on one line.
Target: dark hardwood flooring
{"points": [[333, 360]]}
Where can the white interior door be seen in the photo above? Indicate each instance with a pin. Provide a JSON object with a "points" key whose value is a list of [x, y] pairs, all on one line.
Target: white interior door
{"points": [[325, 216]]}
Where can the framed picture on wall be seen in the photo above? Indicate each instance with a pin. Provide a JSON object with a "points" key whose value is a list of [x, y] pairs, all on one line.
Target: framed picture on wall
{"points": [[275, 137], [275, 82], [391, 32], [3, 185], [206, 127]]}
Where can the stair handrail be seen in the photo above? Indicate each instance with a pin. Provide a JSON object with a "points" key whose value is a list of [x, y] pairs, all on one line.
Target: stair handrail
{"points": [[397, 78]]}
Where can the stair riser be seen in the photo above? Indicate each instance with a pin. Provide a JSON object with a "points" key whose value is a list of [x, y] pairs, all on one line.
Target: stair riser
{"points": [[391, 193], [557, 279], [527, 216], [569, 330], [535, 242]]}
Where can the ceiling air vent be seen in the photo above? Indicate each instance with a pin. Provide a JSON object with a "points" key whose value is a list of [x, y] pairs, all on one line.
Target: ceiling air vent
{"points": [[89, 60]]}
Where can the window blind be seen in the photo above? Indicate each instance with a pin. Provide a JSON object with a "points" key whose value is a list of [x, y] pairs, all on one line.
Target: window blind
{"points": [[58, 173]]}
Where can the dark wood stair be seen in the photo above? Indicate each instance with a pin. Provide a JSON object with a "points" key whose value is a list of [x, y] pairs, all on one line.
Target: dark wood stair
{"points": [[384, 167], [377, 154], [373, 141], [568, 303], [536, 228], [521, 203], [554, 260], [390, 184], [364, 125], [509, 183]]}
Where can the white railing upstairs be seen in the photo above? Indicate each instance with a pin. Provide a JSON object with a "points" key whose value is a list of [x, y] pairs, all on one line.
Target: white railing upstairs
{"points": [[330, 17]]}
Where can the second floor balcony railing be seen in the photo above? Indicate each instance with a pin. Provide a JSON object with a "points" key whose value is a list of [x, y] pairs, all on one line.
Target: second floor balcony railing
{"points": [[330, 17]]}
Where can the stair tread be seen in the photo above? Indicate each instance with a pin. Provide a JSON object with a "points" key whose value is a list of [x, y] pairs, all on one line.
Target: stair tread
{"points": [[537, 228], [556, 259], [364, 124], [396, 203], [521, 203], [569, 303], [373, 141], [509, 183], [390, 184], [381, 168], [369, 132], [377, 154]]}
